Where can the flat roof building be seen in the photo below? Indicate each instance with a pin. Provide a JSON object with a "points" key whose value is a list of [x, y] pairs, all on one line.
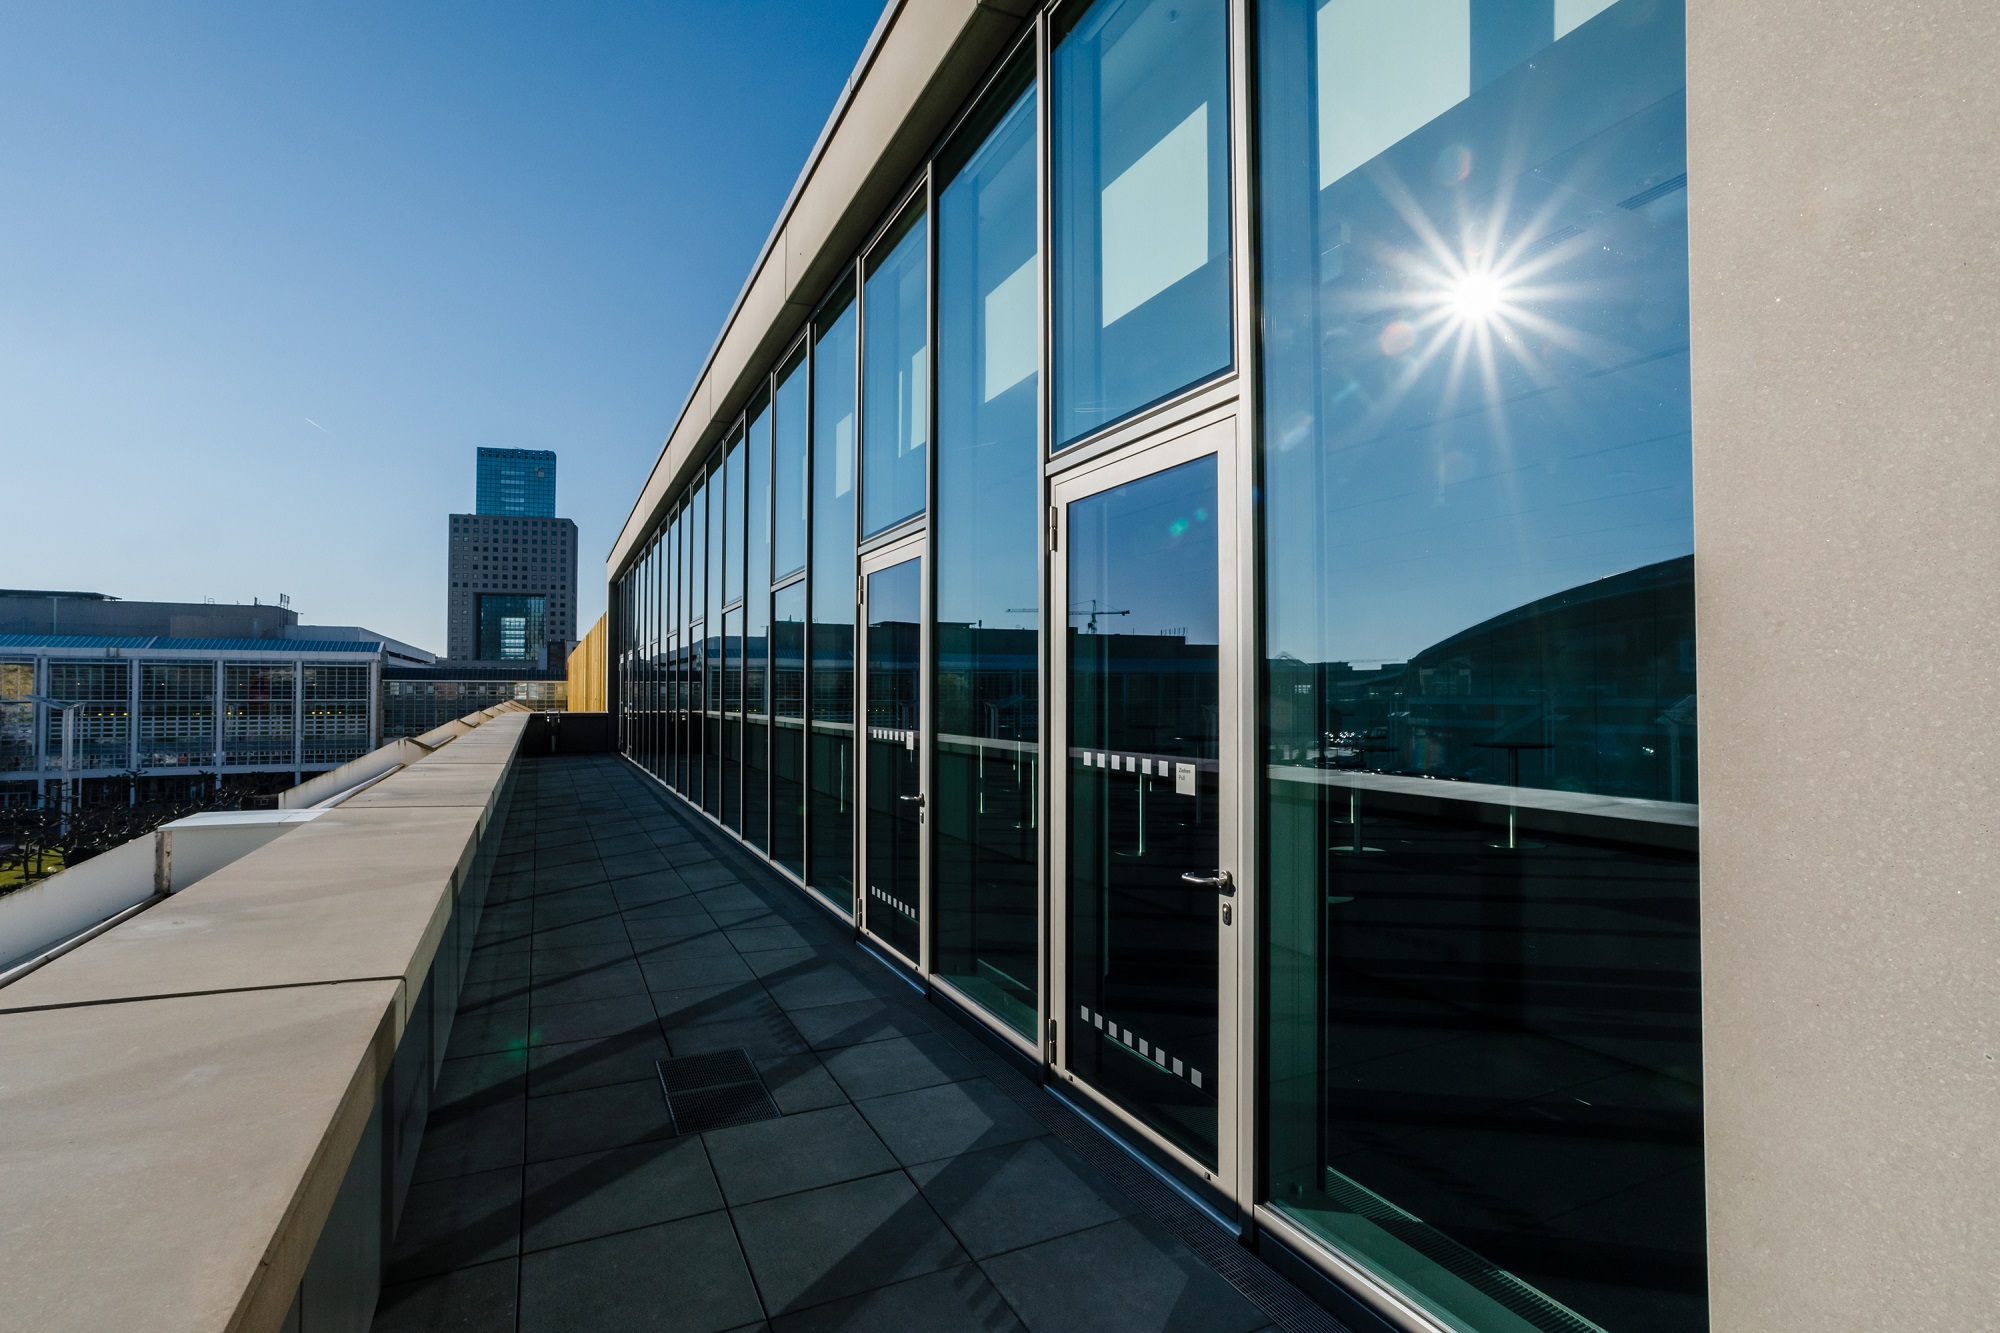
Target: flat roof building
{"points": [[1329, 573]]}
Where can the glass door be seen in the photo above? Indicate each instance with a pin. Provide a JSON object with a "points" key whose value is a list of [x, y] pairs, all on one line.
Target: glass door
{"points": [[893, 751], [1145, 857]]}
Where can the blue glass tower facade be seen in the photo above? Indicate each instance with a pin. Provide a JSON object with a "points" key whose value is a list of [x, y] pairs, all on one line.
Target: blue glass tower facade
{"points": [[517, 483]]}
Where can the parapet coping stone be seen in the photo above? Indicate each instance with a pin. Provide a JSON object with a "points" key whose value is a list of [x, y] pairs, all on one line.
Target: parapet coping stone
{"points": [[182, 1095]]}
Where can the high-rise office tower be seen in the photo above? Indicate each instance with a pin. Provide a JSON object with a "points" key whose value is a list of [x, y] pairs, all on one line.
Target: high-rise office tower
{"points": [[516, 483], [513, 565]]}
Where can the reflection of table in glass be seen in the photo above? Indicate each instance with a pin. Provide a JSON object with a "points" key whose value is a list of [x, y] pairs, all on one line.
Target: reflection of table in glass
{"points": [[1513, 749], [1357, 844]]}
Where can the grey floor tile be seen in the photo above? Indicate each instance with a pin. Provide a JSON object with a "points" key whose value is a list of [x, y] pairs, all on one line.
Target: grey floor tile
{"points": [[955, 1298], [898, 1064], [461, 1139], [494, 997], [552, 961], [590, 1019], [761, 1037], [1115, 1278], [568, 1123], [808, 978], [639, 860], [456, 1223], [681, 973], [952, 1118], [628, 1057], [857, 1021], [756, 938], [486, 1031], [799, 1083], [598, 1194], [622, 977], [713, 1004], [1019, 1194], [811, 1248], [659, 940], [686, 1276], [653, 888], [467, 1300], [793, 1153], [495, 1077], [624, 839], [497, 964], [605, 931]]}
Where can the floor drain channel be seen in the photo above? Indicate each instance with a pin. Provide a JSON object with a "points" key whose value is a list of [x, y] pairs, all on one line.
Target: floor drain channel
{"points": [[715, 1091]]}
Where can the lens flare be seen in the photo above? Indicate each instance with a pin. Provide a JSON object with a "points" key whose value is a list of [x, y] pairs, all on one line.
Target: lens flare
{"points": [[1476, 297]]}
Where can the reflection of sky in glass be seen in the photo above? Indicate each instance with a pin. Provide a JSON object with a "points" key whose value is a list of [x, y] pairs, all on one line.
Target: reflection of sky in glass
{"points": [[896, 380], [1142, 556], [833, 469], [1498, 406], [989, 346]]}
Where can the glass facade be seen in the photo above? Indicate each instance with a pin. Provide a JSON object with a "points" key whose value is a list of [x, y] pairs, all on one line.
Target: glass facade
{"points": [[1141, 182], [986, 755], [516, 482], [1483, 974], [17, 720], [259, 703], [513, 627], [177, 714], [830, 640], [896, 377], [103, 735], [1375, 821]]}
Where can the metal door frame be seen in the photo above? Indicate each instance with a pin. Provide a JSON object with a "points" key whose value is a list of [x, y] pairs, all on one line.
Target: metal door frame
{"points": [[1214, 433], [912, 546]]}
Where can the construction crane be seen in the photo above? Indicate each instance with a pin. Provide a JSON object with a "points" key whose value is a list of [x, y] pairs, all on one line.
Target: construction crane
{"points": [[1094, 612]]}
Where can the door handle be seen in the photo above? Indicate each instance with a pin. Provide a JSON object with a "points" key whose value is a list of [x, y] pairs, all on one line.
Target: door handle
{"points": [[1220, 881], [918, 798]]}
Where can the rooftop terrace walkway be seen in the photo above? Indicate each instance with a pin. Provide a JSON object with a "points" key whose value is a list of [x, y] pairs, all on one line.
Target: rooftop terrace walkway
{"points": [[914, 1180]]}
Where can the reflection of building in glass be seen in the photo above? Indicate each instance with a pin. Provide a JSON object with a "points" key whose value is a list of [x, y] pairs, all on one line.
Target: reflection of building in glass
{"points": [[1590, 689]]}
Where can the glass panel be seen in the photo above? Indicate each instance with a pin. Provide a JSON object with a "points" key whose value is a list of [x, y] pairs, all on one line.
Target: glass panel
{"points": [[896, 376], [1484, 980], [982, 801], [1141, 180], [757, 631], [257, 701], [788, 736], [732, 541], [788, 550], [1144, 799], [711, 769], [895, 765], [731, 721], [695, 656], [177, 712], [831, 753]]}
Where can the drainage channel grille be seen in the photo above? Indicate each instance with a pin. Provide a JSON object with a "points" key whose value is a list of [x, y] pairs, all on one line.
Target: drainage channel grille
{"points": [[715, 1091]]}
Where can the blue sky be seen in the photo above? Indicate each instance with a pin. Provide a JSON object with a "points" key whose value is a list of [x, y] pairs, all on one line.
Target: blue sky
{"points": [[269, 274]]}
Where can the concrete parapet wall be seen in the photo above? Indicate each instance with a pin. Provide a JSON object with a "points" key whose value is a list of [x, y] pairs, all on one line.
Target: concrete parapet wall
{"points": [[247, 1059]]}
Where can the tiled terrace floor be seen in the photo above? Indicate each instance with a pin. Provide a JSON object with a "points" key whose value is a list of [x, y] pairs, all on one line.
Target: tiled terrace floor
{"points": [[914, 1180]]}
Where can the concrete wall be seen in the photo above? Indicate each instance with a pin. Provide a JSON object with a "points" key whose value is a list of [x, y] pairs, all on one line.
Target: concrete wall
{"points": [[1846, 288]]}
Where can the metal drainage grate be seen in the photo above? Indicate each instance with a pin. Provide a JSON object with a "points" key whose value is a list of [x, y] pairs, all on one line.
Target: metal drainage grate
{"points": [[715, 1091]]}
